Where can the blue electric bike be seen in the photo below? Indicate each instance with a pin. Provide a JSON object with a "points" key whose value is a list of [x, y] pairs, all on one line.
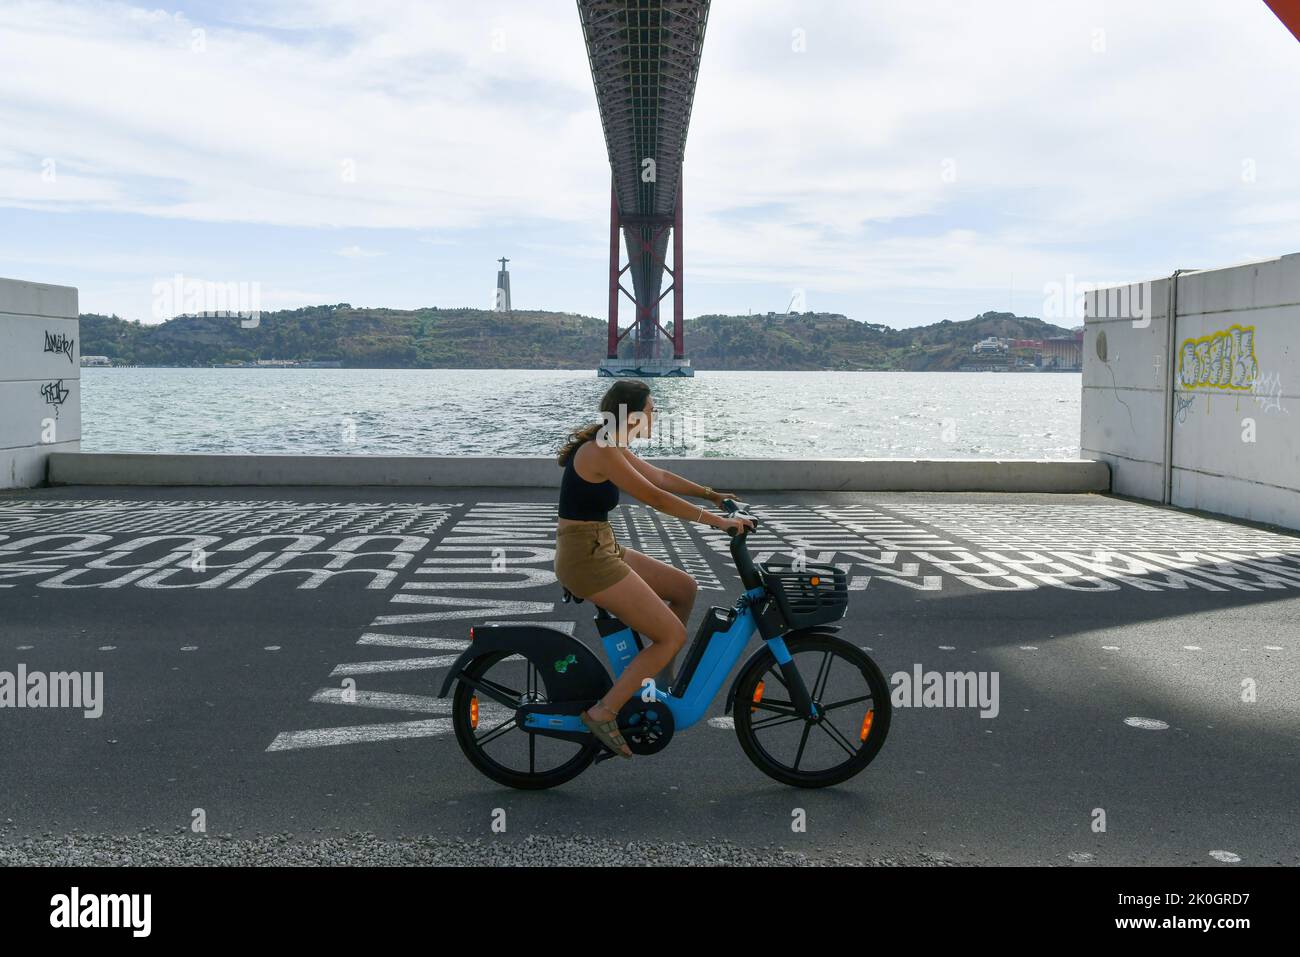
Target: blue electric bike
{"points": [[810, 709]]}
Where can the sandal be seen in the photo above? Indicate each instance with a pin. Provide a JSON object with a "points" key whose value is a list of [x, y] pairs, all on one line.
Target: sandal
{"points": [[607, 733]]}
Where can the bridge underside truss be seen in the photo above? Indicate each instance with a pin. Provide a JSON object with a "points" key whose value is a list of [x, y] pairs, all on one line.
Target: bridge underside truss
{"points": [[645, 59]]}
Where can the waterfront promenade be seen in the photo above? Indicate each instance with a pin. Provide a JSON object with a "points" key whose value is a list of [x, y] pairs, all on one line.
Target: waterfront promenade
{"points": [[1147, 662]]}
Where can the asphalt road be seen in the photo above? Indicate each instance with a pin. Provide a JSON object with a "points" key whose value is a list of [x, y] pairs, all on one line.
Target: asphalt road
{"points": [[1148, 667]]}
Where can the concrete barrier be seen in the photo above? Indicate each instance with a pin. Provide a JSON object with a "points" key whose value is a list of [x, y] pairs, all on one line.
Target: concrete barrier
{"points": [[40, 378], [1202, 412], [937, 475]]}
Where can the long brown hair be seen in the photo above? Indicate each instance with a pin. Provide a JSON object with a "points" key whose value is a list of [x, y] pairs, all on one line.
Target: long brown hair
{"points": [[628, 393]]}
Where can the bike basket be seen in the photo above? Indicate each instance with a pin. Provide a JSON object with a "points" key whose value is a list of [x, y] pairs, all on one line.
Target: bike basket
{"points": [[808, 594]]}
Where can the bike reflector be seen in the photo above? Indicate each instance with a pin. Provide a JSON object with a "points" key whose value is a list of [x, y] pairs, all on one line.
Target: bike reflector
{"points": [[473, 712], [866, 724], [758, 696]]}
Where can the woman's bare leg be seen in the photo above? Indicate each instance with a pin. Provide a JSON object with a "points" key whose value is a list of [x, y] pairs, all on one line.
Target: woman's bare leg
{"points": [[637, 605], [672, 585]]}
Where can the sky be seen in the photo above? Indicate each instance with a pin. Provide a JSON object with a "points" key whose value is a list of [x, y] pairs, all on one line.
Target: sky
{"points": [[898, 161]]}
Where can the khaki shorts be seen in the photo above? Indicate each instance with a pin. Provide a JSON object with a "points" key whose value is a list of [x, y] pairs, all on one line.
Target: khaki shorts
{"points": [[587, 559]]}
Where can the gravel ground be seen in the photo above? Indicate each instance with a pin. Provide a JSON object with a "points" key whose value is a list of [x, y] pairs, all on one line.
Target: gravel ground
{"points": [[81, 850]]}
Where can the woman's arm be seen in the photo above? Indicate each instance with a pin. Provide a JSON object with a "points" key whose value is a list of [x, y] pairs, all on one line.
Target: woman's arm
{"points": [[672, 482], [618, 468]]}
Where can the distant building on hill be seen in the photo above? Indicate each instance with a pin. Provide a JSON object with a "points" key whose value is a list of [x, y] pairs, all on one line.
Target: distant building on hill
{"points": [[991, 344], [1063, 352]]}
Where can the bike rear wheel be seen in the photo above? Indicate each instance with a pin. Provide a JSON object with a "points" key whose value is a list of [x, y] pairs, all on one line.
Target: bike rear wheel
{"points": [[492, 740], [853, 705]]}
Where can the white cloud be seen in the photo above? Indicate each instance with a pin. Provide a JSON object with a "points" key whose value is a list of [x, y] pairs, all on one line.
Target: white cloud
{"points": [[1074, 151], [356, 252]]}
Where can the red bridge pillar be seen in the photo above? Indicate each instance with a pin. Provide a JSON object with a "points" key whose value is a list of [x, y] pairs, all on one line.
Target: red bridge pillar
{"points": [[1288, 11], [614, 273], [646, 330], [679, 327]]}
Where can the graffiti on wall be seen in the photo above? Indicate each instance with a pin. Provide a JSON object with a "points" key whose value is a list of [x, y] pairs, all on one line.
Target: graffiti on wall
{"points": [[1221, 360], [55, 394], [59, 344]]}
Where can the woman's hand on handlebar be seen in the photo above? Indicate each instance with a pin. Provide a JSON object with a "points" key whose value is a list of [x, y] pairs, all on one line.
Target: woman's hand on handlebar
{"points": [[737, 526], [717, 498]]}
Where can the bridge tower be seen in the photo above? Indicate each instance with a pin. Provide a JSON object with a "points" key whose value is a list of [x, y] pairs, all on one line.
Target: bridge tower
{"points": [[645, 59]]}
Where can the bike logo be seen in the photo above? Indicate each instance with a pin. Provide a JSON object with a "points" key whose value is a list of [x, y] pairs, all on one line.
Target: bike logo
{"points": [[563, 664]]}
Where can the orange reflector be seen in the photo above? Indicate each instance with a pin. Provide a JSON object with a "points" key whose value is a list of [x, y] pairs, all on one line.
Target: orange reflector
{"points": [[473, 713], [866, 724], [758, 696], [816, 580]]}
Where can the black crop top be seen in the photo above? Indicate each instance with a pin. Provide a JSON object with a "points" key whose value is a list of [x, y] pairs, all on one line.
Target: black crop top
{"points": [[584, 501]]}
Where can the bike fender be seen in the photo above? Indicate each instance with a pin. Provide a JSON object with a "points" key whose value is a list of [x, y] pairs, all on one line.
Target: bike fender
{"points": [[569, 669], [764, 651]]}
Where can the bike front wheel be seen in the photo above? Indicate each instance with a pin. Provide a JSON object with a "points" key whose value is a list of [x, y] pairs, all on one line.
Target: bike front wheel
{"points": [[853, 712]]}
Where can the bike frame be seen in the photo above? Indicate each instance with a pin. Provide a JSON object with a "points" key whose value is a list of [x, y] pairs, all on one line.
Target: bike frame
{"points": [[721, 654], [723, 651]]}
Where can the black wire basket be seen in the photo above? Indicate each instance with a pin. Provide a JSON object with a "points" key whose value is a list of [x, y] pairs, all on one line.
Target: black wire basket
{"points": [[807, 594]]}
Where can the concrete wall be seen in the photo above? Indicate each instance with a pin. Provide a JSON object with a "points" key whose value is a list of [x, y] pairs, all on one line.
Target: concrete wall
{"points": [[40, 378], [1218, 430], [130, 468]]}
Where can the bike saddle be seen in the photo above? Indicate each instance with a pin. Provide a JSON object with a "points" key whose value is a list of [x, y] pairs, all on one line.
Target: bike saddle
{"points": [[571, 597]]}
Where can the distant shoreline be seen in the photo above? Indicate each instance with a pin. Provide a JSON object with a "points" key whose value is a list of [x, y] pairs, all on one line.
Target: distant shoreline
{"points": [[345, 337], [573, 369]]}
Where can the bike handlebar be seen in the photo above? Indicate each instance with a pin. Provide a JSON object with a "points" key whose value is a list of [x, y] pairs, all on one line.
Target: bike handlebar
{"points": [[749, 575]]}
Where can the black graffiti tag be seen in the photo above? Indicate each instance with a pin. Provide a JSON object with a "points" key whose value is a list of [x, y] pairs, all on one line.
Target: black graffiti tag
{"points": [[55, 394], [59, 344]]}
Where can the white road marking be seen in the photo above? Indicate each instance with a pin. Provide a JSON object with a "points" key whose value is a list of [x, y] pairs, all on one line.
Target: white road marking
{"points": [[565, 626], [461, 609], [724, 722], [392, 701], [413, 641], [1147, 724], [1226, 857], [360, 734], [395, 664]]}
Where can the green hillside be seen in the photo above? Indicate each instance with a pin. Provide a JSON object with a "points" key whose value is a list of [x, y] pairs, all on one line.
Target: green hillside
{"points": [[476, 338]]}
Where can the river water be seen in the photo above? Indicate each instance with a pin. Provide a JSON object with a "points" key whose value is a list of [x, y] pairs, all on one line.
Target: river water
{"points": [[524, 412]]}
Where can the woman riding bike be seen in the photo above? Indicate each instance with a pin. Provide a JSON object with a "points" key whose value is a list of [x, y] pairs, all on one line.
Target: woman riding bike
{"points": [[649, 596]]}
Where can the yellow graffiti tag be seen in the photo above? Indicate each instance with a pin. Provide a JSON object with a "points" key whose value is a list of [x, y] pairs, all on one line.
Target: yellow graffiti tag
{"points": [[1221, 360]]}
